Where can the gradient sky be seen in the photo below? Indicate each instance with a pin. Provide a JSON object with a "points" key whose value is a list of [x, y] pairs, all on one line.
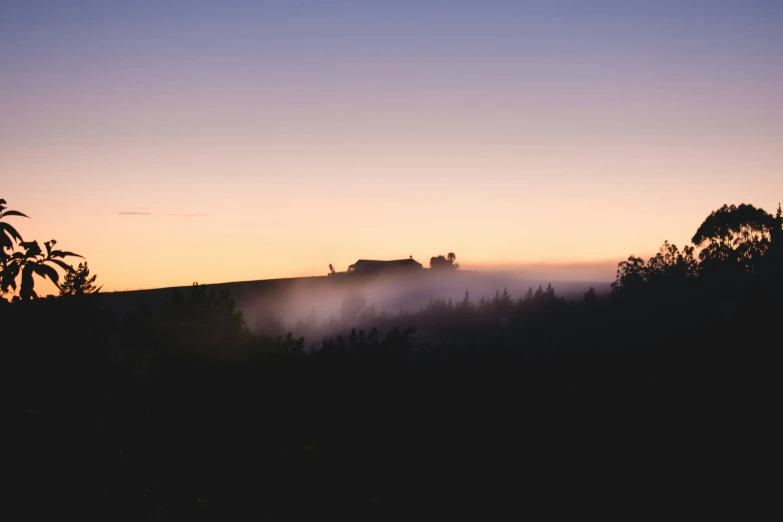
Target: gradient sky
{"points": [[269, 139]]}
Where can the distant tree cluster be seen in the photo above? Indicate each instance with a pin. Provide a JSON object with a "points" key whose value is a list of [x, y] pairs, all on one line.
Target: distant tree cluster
{"points": [[668, 266], [447, 262]]}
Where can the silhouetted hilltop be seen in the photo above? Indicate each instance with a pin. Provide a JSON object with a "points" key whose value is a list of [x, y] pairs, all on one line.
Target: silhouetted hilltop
{"points": [[386, 290]]}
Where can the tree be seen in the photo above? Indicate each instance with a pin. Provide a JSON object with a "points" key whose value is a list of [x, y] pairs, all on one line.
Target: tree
{"points": [[631, 275], [331, 268], [502, 301], [774, 263], [28, 260], [465, 303], [668, 266], [200, 320], [446, 263], [9, 235], [79, 282], [734, 238]]}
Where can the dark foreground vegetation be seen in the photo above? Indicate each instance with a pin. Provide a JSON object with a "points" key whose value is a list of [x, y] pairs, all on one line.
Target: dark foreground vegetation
{"points": [[659, 396]]}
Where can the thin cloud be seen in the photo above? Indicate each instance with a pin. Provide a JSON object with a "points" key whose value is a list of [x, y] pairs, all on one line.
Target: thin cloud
{"points": [[151, 214]]}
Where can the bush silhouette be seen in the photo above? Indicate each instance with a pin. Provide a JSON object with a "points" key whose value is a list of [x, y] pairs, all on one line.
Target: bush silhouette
{"points": [[19, 258]]}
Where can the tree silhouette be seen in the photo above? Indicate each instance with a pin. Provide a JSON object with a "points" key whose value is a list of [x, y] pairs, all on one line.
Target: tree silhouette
{"points": [[9, 234], [79, 282], [465, 303], [734, 238], [331, 268], [27, 261], [668, 266], [671, 265], [9, 237], [441, 262], [775, 253]]}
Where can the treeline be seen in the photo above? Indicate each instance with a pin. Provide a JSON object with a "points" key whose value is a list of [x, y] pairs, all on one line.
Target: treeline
{"points": [[658, 394]]}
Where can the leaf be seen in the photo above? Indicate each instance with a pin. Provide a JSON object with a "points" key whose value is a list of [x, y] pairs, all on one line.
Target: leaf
{"points": [[8, 276], [63, 253], [32, 247], [46, 271], [11, 231], [14, 213], [62, 264]]}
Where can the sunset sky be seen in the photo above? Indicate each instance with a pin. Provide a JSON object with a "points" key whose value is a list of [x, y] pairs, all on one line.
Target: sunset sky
{"points": [[171, 142]]}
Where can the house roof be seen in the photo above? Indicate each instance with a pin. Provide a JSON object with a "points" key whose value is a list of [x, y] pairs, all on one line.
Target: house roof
{"points": [[407, 261], [374, 263]]}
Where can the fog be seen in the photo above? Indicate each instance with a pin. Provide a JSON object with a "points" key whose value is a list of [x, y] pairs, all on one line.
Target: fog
{"points": [[323, 306]]}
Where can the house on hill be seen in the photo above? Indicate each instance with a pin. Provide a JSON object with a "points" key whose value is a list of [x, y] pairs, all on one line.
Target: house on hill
{"points": [[371, 266]]}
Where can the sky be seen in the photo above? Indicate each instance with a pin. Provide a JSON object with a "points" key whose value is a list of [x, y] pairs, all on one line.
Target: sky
{"points": [[178, 141]]}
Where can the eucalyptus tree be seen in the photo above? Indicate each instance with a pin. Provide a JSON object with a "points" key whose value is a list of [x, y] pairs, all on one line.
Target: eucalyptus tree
{"points": [[735, 238]]}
